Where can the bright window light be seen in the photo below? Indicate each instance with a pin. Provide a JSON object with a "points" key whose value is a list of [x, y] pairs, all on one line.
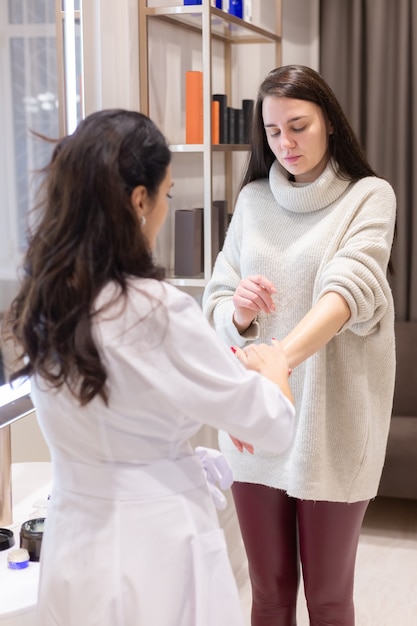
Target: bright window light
{"points": [[70, 66]]}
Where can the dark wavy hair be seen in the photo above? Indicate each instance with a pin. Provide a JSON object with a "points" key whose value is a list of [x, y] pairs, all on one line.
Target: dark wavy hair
{"points": [[87, 234], [303, 83]]}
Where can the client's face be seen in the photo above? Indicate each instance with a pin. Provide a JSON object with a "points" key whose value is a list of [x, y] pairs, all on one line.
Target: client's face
{"points": [[297, 133]]}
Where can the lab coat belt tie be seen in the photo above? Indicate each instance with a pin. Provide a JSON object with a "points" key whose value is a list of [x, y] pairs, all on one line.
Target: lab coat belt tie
{"points": [[130, 482]]}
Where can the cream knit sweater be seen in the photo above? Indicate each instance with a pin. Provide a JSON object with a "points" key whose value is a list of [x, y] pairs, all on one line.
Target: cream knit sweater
{"points": [[329, 235]]}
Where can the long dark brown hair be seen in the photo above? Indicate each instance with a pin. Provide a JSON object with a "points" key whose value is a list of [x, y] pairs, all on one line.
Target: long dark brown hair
{"points": [[303, 83], [87, 233]]}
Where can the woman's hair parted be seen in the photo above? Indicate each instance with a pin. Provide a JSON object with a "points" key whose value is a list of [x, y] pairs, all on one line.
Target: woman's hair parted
{"points": [[303, 83], [86, 235]]}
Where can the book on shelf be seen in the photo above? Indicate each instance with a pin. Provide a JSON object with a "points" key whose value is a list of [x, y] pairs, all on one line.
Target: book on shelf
{"points": [[247, 106], [221, 98], [231, 125], [215, 232], [220, 208], [194, 126], [188, 237], [239, 126]]}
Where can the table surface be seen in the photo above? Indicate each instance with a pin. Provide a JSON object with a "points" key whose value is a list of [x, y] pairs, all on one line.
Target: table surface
{"points": [[31, 482]]}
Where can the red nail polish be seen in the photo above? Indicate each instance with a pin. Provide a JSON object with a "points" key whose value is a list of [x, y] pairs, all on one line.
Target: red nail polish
{"points": [[233, 349]]}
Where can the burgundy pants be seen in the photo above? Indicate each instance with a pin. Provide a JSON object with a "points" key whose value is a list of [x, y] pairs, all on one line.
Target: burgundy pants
{"points": [[279, 532]]}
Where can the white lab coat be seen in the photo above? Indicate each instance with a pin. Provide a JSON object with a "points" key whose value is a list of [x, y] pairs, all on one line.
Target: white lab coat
{"points": [[132, 537]]}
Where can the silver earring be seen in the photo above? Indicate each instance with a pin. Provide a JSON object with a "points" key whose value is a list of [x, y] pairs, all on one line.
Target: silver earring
{"points": [[142, 220]]}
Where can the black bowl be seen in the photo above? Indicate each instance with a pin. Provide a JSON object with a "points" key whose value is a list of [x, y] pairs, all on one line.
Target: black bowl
{"points": [[6, 539]]}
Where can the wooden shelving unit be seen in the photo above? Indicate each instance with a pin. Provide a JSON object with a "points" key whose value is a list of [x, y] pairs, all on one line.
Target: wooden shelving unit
{"points": [[211, 24]]}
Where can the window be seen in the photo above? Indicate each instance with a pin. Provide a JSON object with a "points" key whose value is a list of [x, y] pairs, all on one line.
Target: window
{"points": [[35, 55]]}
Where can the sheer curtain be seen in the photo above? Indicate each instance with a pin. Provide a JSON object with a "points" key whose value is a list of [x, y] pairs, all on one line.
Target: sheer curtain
{"points": [[369, 57]]}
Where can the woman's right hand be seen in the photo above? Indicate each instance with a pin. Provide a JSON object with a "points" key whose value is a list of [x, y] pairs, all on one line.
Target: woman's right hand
{"points": [[270, 361], [253, 294]]}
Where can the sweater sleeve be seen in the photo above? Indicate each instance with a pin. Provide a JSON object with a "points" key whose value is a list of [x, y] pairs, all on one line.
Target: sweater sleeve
{"points": [[358, 269], [217, 298]]}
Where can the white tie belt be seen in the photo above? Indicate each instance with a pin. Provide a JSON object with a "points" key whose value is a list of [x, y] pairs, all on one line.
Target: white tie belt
{"points": [[129, 482]]}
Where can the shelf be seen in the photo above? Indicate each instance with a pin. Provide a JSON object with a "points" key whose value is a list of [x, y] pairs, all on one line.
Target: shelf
{"points": [[199, 147], [186, 282], [224, 26]]}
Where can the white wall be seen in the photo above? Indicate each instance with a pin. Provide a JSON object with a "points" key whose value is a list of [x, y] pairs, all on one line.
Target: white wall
{"points": [[301, 32], [111, 62]]}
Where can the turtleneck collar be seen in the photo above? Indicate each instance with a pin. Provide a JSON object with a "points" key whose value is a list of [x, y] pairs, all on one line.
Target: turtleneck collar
{"points": [[325, 190]]}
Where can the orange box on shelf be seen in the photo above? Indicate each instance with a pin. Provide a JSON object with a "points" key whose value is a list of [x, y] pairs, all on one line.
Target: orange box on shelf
{"points": [[194, 107]]}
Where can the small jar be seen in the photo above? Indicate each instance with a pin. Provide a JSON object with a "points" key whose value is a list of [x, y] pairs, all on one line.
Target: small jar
{"points": [[31, 534], [18, 559]]}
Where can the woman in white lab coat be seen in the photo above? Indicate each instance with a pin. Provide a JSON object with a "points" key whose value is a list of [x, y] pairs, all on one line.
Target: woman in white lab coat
{"points": [[124, 370]]}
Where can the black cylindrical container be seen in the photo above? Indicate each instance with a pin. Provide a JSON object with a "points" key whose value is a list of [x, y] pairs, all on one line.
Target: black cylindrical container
{"points": [[31, 533], [6, 539]]}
